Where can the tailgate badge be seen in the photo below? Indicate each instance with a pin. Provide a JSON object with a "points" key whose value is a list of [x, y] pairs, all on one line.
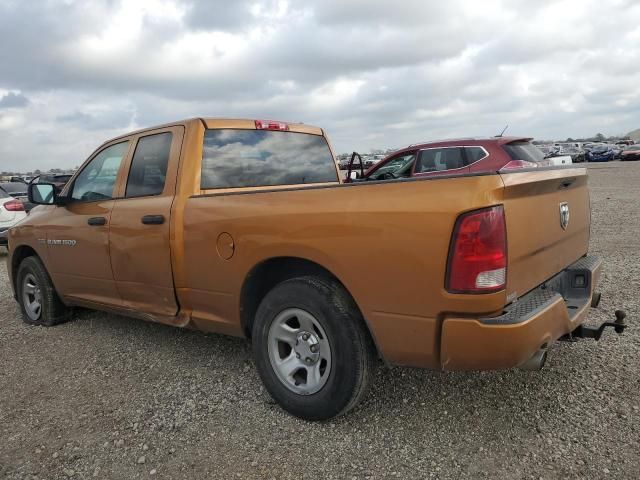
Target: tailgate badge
{"points": [[564, 215]]}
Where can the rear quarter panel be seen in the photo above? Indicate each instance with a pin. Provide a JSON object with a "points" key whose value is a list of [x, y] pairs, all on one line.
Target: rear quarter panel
{"points": [[387, 243]]}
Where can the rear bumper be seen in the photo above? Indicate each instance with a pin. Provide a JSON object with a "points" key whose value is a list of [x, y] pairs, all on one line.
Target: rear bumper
{"points": [[535, 320]]}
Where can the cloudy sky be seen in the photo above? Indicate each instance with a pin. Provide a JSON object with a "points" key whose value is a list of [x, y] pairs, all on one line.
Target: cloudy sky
{"points": [[373, 73]]}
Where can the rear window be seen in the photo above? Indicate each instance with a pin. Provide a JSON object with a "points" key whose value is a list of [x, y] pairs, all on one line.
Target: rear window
{"points": [[3, 194], [15, 188], [253, 158], [524, 151]]}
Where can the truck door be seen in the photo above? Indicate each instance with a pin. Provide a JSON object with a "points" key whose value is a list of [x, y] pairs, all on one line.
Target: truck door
{"points": [[140, 234], [77, 233]]}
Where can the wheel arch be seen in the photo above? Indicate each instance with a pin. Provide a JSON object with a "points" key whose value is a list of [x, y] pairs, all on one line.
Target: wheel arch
{"points": [[269, 273]]}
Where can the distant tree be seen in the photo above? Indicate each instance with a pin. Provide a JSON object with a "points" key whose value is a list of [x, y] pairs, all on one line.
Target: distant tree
{"points": [[37, 172], [600, 137], [570, 139]]}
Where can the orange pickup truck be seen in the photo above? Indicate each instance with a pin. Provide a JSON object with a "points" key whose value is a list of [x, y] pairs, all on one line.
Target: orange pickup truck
{"points": [[246, 228]]}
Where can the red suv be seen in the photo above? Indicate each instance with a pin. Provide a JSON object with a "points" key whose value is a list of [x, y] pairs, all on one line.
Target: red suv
{"points": [[447, 157]]}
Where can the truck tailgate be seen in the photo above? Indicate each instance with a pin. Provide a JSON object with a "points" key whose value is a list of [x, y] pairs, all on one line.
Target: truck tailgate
{"points": [[539, 243]]}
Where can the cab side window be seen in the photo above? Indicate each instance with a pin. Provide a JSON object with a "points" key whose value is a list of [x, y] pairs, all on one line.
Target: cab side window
{"points": [[148, 170], [97, 179], [439, 159]]}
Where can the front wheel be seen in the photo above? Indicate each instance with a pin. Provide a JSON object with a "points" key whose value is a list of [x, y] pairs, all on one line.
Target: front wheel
{"points": [[38, 299], [312, 350]]}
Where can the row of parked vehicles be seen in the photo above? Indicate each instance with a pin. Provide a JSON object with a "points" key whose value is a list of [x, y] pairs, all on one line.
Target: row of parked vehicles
{"points": [[593, 152]]}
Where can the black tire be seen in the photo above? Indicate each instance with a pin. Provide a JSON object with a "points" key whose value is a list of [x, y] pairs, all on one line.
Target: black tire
{"points": [[52, 311], [353, 354]]}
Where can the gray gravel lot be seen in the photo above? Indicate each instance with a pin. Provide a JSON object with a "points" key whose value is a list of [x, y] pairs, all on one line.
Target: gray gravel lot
{"points": [[110, 397]]}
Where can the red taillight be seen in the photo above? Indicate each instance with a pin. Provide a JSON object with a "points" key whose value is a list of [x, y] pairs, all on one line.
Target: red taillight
{"points": [[478, 253], [14, 206], [271, 125], [516, 164]]}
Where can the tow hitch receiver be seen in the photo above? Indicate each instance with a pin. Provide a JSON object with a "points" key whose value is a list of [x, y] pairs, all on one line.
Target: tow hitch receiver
{"points": [[584, 331]]}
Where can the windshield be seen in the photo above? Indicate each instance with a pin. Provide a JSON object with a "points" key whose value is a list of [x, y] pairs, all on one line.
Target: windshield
{"points": [[524, 151], [634, 147], [601, 149]]}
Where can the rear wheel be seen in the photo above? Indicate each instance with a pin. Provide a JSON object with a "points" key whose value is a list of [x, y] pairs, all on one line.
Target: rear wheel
{"points": [[38, 299], [312, 350]]}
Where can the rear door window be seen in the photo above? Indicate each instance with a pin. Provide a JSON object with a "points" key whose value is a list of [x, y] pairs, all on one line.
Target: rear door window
{"points": [[439, 160], [252, 158], [149, 165]]}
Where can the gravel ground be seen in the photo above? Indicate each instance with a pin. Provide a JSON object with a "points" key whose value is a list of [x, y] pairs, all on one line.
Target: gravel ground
{"points": [[109, 397]]}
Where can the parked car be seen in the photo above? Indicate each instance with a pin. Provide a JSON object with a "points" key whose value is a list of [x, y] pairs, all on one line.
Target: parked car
{"points": [[587, 147], [616, 149], [11, 212], [559, 160], [632, 152], [447, 157], [602, 153], [577, 154], [18, 190], [625, 142], [246, 228]]}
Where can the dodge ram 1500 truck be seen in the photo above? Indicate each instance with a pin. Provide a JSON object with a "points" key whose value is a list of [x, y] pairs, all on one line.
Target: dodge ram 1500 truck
{"points": [[246, 228]]}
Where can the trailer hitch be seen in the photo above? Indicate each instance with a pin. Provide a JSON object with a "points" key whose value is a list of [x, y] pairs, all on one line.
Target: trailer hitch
{"points": [[584, 331]]}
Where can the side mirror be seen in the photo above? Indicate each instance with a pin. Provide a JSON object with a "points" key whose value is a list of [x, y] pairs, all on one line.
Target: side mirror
{"points": [[42, 194]]}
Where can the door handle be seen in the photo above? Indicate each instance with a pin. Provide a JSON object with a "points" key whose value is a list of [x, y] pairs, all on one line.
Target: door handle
{"points": [[97, 221], [153, 219]]}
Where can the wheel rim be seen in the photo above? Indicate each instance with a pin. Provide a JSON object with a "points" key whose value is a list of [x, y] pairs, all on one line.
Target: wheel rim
{"points": [[31, 297], [299, 351]]}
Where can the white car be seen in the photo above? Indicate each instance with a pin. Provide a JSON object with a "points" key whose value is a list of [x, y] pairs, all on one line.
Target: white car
{"points": [[560, 160], [11, 212]]}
